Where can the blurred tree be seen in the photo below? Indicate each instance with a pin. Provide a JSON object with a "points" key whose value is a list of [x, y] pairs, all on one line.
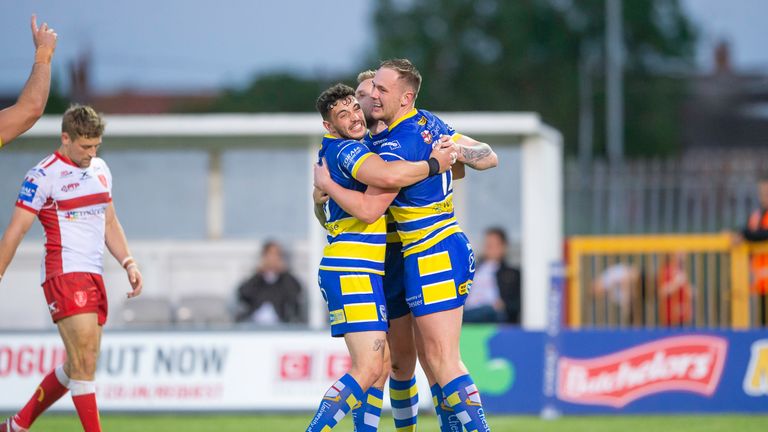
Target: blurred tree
{"points": [[58, 102], [278, 92], [524, 55]]}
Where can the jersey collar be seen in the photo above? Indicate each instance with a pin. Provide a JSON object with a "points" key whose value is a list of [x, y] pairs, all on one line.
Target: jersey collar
{"points": [[410, 114], [66, 160]]}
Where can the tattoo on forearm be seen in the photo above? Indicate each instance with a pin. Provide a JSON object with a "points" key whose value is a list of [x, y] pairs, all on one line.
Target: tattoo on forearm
{"points": [[473, 155], [378, 344]]}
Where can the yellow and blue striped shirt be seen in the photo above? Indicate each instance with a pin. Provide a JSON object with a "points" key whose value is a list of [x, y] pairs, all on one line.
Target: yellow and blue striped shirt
{"points": [[353, 246], [423, 212]]}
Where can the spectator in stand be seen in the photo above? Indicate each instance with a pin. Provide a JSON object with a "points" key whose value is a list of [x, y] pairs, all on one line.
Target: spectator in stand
{"points": [[272, 295], [618, 284], [675, 292], [756, 230], [495, 294]]}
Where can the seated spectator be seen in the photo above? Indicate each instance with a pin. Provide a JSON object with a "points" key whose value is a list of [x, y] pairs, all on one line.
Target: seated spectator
{"points": [[495, 294], [272, 295], [675, 292]]}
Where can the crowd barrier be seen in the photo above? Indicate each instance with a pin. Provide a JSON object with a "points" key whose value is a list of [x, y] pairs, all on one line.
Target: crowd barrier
{"points": [[595, 371], [656, 281]]}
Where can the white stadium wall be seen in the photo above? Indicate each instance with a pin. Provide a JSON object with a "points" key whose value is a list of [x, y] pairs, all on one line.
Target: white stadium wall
{"points": [[197, 195]]}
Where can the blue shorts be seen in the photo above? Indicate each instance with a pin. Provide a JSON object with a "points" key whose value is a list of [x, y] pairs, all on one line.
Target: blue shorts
{"points": [[355, 301], [439, 278], [394, 282]]}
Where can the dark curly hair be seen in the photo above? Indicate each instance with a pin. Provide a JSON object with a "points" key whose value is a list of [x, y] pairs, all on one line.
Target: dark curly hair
{"points": [[331, 96]]}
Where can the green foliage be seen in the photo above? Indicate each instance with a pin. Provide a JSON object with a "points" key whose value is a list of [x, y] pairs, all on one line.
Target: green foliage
{"points": [[524, 55], [278, 92], [58, 102]]}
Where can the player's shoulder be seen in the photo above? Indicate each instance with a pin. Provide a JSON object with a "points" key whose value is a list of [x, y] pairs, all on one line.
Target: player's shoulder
{"points": [[45, 168], [98, 163]]}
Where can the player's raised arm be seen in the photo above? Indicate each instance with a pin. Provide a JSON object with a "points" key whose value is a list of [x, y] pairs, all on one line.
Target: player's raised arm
{"points": [[368, 206], [30, 105], [117, 244], [21, 221]]}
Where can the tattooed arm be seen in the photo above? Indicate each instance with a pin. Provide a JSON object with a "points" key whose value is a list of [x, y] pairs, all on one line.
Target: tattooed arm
{"points": [[475, 154]]}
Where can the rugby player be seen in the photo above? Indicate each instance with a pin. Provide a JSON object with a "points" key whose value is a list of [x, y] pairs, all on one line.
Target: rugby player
{"points": [[353, 262], [438, 259], [19, 117], [70, 192]]}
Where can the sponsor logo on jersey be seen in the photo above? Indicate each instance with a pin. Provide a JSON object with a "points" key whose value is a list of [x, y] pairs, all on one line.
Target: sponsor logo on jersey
{"points": [[84, 175], [28, 191], [414, 301], [756, 378], [37, 172], [70, 187], [338, 317], [74, 215], [426, 136], [65, 173], [465, 287], [683, 363], [392, 145], [81, 298], [349, 160]]}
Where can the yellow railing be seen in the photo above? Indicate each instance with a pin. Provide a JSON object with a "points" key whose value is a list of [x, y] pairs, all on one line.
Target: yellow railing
{"points": [[718, 278]]}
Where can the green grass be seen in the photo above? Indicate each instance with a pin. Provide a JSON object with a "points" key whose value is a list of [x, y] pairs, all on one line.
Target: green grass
{"points": [[298, 422]]}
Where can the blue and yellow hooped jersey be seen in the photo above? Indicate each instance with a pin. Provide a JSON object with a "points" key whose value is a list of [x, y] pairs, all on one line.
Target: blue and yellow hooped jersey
{"points": [[353, 245], [374, 143], [423, 212]]}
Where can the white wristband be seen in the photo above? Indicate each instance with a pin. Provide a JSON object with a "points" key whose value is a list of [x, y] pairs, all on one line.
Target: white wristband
{"points": [[125, 261], [133, 264]]}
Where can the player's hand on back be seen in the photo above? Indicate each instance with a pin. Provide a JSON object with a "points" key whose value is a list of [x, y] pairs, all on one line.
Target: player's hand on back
{"points": [[136, 280], [319, 197], [445, 153], [322, 176]]}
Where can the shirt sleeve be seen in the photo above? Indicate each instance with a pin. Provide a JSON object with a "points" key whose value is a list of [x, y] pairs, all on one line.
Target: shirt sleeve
{"points": [[108, 175], [351, 157], [446, 129], [35, 191]]}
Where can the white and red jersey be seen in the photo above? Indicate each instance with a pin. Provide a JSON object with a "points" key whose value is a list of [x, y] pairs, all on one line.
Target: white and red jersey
{"points": [[71, 204]]}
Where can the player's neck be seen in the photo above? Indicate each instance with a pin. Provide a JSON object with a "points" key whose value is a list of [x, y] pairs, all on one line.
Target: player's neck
{"points": [[377, 127], [402, 112]]}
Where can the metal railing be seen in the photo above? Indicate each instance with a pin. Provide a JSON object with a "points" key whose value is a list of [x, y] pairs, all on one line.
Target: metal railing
{"points": [[663, 281]]}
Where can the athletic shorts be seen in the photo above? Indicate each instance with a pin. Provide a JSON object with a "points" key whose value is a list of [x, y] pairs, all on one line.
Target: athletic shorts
{"points": [[439, 278], [76, 293], [355, 301], [394, 282]]}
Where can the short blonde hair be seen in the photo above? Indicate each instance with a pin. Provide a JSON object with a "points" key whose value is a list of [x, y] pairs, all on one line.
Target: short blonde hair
{"points": [[82, 121], [406, 71], [365, 75]]}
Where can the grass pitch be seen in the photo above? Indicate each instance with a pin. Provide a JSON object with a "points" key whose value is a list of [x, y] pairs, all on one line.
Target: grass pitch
{"points": [[299, 422]]}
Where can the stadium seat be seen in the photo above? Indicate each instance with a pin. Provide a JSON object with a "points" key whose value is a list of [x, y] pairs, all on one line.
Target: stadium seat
{"points": [[146, 311], [203, 310]]}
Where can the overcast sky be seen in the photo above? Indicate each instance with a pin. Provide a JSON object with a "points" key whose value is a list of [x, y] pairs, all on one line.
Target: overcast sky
{"points": [[184, 44]]}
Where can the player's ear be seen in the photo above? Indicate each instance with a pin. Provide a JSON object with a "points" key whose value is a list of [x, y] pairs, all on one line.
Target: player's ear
{"points": [[65, 139], [329, 127], [407, 98]]}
